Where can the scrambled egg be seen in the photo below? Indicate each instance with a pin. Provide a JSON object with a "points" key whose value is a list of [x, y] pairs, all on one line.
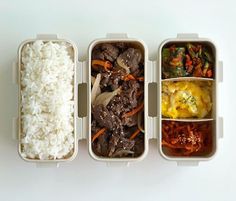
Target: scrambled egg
{"points": [[186, 99]]}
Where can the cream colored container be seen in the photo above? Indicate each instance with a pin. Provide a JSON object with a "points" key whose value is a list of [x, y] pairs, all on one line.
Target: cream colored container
{"points": [[214, 118], [112, 38], [76, 80], [152, 103]]}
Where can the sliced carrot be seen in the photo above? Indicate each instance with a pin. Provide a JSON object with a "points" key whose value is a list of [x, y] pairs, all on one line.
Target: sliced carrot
{"points": [[134, 111], [209, 73], [141, 79], [100, 132], [129, 77], [139, 93], [105, 64], [134, 134]]}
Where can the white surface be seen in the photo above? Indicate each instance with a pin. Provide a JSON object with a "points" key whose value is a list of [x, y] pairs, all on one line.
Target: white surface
{"points": [[85, 179]]}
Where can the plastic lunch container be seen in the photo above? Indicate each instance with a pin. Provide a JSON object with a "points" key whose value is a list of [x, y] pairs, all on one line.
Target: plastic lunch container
{"points": [[152, 104]]}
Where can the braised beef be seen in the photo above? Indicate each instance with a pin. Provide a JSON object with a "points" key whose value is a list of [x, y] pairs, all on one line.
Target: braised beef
{"points": [[112, 78], [102, 116], [106, 52], [130, 58], [111, 127]]}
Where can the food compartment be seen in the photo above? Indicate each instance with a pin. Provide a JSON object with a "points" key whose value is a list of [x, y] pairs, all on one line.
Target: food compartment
{"points": [[47, 100], [117, 70], [188, 106], [188, 59], [187, 99], [185, 139]]}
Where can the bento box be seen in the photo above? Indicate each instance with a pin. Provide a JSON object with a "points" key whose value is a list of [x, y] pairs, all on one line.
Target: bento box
{"points": [[114, 100]]}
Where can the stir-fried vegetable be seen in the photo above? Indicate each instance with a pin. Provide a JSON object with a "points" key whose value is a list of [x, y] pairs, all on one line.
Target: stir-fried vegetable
{"points": [[187, 60], [99, 63], [100, 132], [96, 88], [105, 97], [134, 134]]}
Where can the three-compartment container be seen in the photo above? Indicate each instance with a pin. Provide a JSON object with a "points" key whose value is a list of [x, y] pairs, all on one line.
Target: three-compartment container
{"points": [[152, 105]]}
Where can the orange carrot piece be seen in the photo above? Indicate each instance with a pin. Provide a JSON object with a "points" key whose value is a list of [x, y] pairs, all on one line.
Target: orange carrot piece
{"points": [[139, 93], [105, 64], [100, 132], [134, 134], [141, 79], [134, 111], [129, 77]]}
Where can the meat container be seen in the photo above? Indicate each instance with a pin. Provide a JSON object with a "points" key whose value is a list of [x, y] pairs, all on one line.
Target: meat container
{"points": [[77, 122], [111, 39], [152, 99]]}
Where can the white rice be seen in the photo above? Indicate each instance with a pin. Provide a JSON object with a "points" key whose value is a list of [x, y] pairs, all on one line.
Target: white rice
{"points": [[47, 105]]}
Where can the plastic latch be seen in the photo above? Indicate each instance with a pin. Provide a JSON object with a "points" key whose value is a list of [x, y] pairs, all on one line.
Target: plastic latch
{"points": [[152, 120], [15, 128], [47, 165], [117, 164], [220, 71], [187, 163], [116, 35], [15, 73], [47, 36], [81, 122], [220, 127], [152, 71], [187, 35], [152, 127]]}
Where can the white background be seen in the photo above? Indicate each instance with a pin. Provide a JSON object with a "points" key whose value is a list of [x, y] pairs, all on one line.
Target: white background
{"points": [[85, 179]]}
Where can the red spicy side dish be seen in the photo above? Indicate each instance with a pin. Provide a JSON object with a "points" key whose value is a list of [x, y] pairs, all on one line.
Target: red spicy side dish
{"points": [[186, 138]]}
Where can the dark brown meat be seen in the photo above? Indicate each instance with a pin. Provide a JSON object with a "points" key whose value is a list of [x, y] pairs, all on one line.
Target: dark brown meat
{"points": [[130, 121], [126, 100], [102, 116], [112, 78], [130, 58], [106, 52], [139, 145]]}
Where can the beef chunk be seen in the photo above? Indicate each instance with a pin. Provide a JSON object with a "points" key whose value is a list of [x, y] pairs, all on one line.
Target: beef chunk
{"points": [[106, 52], [130, 121], [112, 144], [112, 79], [110, 52], [130, 58], [102, 116], [139, 145], [126, 100]]}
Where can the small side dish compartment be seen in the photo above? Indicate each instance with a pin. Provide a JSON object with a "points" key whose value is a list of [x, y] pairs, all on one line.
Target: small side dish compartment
{"points": [[117, 72], [47, 100], [188, 109]]}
